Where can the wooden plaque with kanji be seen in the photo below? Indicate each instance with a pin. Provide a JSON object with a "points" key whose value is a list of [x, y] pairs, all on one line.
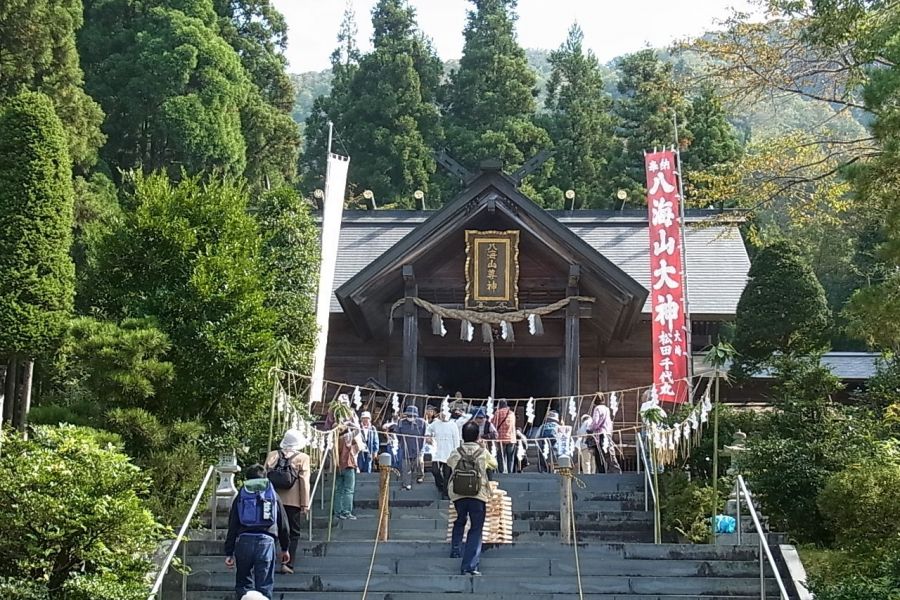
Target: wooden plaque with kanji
{"points": [[492, 270]]}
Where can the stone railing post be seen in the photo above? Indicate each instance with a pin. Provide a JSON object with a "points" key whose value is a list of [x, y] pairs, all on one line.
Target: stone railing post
{"points": [[226, 491], [564, 470], [385, 463]]}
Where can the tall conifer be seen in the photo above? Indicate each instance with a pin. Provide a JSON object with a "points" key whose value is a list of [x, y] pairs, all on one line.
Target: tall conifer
{"points": [[580, 123], [644, 111], [489, 102], [391, 121]]}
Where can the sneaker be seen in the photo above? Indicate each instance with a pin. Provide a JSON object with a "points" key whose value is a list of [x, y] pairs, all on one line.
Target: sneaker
{"points": [[472, 573], [455, 555], [341, 517], [420, 479], [286, 570], [407, 487], [350, 516]]}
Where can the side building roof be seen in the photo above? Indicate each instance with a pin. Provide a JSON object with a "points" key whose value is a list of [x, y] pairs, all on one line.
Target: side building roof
{"points": [[717, 260]]}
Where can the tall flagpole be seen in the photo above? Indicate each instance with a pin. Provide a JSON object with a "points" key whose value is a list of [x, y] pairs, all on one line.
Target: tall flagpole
{"points": [[332, 214], [689, 325]]}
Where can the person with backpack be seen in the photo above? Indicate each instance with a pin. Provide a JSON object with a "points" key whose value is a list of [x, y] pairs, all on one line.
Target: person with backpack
{"points": [[547, 442], [256, 523], [288, 471], [470, 493]]}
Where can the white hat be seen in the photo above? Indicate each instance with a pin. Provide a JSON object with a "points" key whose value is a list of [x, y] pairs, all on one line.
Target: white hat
{"points": [[293, 440], [253, 595], [365, 415], [344, 399]]}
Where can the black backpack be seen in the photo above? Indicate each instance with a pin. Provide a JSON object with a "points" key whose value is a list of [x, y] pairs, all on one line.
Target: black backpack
{"points": [[283, 475], [467, 475]]}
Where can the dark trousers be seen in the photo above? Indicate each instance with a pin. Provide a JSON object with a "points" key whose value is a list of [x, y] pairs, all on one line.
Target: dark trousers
{"points": [[254, 557], [607, 460], [507, 457], [545, 465], [441, 474], [474, 511], [295, 522]]}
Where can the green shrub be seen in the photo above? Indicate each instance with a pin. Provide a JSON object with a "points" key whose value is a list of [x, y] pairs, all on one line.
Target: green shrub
{"points": [[686, 506], [72, 519], [860, 506]]}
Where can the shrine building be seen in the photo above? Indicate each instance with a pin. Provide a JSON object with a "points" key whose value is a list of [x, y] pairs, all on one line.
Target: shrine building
{"points": [[492, 248]]}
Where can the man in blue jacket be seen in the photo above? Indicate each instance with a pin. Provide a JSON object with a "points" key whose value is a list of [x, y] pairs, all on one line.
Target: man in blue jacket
{"points": [[256, 522]]}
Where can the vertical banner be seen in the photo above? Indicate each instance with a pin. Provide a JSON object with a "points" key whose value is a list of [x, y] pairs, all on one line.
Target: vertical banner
{"points": [[670, 352], [335, 186]]}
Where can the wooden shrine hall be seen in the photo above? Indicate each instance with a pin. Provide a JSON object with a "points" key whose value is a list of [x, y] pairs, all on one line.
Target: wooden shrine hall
{"points": [[493, 249]]}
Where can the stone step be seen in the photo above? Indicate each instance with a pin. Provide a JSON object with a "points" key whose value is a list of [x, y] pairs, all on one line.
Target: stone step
{"points": [[229, 595], [494, 583], [519, 549], [496, 564], [417, 596]]}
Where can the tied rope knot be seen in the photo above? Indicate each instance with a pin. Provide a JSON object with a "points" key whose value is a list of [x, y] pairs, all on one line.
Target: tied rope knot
{"points": [[569, 473]]}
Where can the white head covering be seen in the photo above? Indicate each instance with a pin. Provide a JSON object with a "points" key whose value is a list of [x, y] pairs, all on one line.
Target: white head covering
{"points": [[253, 595], [365, 415], [293, 440]]}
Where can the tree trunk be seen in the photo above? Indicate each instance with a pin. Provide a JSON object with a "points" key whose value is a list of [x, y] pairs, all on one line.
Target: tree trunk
{"points": [[9, 406], [25, 407], [2, 392]]}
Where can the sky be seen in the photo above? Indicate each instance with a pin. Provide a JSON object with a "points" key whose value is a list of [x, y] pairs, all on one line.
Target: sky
{"points": [[611, 27]]}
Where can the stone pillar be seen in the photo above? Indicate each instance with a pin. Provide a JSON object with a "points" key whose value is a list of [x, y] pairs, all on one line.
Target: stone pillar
{"points": [[226, 491]]}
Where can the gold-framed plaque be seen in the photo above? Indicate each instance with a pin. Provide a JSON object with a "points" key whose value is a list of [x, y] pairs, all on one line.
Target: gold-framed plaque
{"points": [[492, 270]]}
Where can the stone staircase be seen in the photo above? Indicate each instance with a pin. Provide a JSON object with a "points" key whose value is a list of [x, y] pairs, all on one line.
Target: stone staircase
{"points": [[617, 557]]}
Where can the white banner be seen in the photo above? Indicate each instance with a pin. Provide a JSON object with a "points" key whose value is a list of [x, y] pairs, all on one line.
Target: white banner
{"points": [[335, 187]]}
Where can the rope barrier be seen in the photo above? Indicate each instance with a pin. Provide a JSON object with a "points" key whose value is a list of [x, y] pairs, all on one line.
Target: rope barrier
{"points": [[479, 400], [568, 473], [382, 518]]}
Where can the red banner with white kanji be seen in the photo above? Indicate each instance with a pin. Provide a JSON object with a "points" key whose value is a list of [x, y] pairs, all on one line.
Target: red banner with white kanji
{"points": [[670, 352]]}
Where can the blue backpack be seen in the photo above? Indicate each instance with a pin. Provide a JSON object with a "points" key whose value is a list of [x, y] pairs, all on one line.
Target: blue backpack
{"points": [[257, 509]]}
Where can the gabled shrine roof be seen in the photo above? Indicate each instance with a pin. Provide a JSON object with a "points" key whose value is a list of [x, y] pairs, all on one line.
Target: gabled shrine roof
{"points": [[717, 259]]}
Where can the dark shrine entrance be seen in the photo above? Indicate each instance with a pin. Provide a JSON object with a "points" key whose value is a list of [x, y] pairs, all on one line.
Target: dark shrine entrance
{"points": [[471, 377]]}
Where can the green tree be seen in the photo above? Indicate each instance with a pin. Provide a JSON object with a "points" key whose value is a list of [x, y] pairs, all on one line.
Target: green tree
{"points": [[258, 33], [801, 444], [37, 276], [580, 123], [648, 100], [781, 311], [171, 87], [331, 107], [188, 255], [715, 144], [489, 101], [39, 54], [97, 210], [391, 121], [121, 363], [290, 252], [169, 452], [71, 506]]}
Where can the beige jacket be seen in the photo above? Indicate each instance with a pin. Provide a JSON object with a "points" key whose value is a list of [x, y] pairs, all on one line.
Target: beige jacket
{"points": [[298, 495], [485, 461]]}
